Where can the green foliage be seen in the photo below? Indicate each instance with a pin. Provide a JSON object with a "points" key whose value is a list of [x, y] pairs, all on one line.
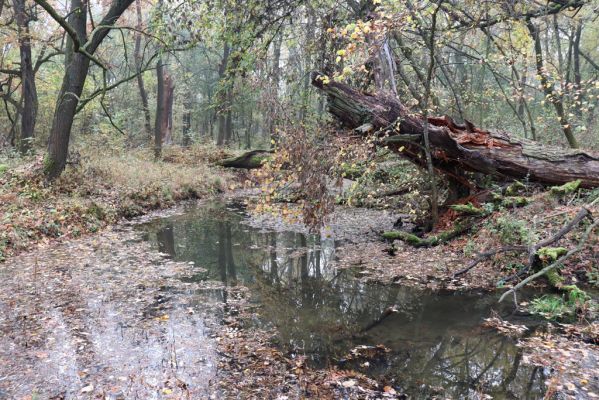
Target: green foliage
{"points": [[470, 248], [551, 307], [593, 277], [555, 307], [3, 168], [512, 231]]}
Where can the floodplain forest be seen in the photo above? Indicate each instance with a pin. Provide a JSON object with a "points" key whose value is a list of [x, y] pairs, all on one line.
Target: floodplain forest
{"points": [[299, 199]]}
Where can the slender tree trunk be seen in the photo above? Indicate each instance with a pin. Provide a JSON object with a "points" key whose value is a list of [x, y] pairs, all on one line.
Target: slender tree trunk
{"points": [[188, 105], [143, 94], [229, 120], [160, 110], [554, 98], [169, 90], [577, 74], [28, 89], [427, 144], [275, 81], [223, 97]]}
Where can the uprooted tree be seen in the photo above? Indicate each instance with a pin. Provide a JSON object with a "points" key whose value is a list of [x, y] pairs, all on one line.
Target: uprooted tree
{"points": [[455, 148]]}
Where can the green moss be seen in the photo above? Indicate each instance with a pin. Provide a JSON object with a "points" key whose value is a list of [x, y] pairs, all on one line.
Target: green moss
{"points": [[554, 278], [566, 188], [48, 164], [3, 168], [468, 209], [259, 159], [550, 254], [515, 201], [430, 241], [509, 201], [353, 171], [515, 188]]}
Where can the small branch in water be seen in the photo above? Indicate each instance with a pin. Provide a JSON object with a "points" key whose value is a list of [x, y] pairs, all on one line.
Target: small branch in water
{"points": [[389, 311]]}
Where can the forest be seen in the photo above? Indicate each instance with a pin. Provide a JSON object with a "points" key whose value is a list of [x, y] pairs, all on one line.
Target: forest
{"points": [[297, 199]]}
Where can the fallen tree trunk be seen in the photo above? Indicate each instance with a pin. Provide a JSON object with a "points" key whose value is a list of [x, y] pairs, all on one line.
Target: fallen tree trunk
{"points": [[455, 147], [249, 160]]}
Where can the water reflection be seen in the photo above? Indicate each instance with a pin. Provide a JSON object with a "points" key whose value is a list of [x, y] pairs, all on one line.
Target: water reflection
{"points": [[437, 346]]}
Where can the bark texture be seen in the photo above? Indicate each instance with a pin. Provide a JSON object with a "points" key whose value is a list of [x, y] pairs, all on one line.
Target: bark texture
{"points": [[248, 160], [456, 147], [28, 89]]}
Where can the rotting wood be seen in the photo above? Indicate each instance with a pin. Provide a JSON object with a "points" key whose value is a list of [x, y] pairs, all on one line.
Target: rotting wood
{"points": [[456, 147], [248, 160]]}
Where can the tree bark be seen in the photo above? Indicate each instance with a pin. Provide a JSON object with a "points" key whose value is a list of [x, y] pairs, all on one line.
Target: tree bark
{"points": [[160, 110], [188, 106], [223, 97], [248, 160], [28, 89], [143, 94], [76, 69], [456, 147], [169, 90], [554, 98]]}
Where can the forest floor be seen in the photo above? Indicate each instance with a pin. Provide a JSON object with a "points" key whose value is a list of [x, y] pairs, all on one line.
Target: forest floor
{"points": [[98, 189], [73, 312]]}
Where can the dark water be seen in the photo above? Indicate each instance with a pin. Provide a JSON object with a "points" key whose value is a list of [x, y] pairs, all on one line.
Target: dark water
{"points": [[437, 346]]}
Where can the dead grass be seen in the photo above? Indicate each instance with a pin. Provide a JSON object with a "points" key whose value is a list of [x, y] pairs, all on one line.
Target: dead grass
{"points": [[98, 189]]}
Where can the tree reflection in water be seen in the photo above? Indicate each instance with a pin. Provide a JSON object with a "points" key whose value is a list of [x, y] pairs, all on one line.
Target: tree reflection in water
{"points": [[437, 345]]}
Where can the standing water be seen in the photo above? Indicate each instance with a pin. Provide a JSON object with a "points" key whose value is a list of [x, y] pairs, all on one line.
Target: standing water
{"points": [[437, 347]]}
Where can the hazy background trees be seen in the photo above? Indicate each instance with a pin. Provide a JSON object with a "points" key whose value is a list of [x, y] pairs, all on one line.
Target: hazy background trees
{"points": [[237, 70]]}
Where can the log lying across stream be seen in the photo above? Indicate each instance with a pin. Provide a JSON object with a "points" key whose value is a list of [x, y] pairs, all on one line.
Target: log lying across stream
{"points": [[248, 160], [456, 147]]}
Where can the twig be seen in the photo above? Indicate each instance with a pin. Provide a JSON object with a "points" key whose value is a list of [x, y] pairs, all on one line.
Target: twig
{"points": [[532, 250], [557, 263], [486, 255]]}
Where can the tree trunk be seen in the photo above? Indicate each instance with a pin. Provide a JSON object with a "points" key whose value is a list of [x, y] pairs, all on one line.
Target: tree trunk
{"points": [[456, 147], [248, 160], [160, 110], [554, 98], [76, 68], [188, 105], [275, 82], [223, 97], [229, 119], [28, 89], [140, 79], [169, 92]]}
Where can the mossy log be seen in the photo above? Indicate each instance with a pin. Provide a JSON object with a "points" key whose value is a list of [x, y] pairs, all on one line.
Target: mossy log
{"points": [[468, 209], [430, 241], [457, 147], [248, 160]]}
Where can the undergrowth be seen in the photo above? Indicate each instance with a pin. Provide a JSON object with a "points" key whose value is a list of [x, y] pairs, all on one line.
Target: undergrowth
{"points": [[99, 188]]}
